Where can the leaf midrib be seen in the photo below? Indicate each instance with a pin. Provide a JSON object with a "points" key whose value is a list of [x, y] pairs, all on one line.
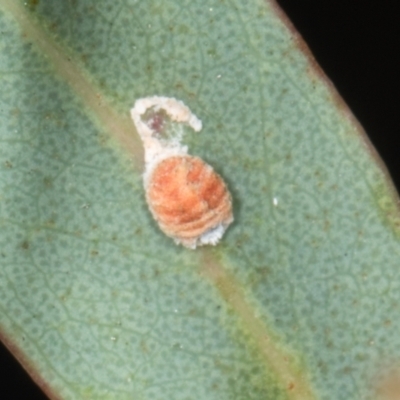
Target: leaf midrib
{"points": [[65, 64]]}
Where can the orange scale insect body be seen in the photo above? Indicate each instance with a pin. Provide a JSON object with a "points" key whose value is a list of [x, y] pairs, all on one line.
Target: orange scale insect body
{"points": [[188, 199]]}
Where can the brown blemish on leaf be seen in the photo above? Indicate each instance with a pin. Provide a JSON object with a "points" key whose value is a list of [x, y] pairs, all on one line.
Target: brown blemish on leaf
{"points": [[33, 3], [48, 182], [144, 347]]}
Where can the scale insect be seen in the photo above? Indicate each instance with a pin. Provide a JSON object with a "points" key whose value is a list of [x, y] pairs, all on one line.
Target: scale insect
{"points": [[189, 200]]}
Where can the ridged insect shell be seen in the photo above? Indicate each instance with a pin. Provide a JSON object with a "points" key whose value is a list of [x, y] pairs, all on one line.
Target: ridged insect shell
{"points": [[189, 200]]}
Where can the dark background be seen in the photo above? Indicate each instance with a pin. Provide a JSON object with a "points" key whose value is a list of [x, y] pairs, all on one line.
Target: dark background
{"points": [[357, 44]]}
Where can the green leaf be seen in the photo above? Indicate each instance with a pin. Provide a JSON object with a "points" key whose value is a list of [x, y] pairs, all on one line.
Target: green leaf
{"points": [[300, 299]]}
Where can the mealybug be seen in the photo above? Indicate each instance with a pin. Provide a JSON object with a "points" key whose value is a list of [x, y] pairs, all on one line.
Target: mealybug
{"points": [[188, 199]]}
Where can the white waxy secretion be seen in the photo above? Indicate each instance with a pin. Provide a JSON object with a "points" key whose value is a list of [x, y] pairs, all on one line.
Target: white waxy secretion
{"points": [[188, 199]]}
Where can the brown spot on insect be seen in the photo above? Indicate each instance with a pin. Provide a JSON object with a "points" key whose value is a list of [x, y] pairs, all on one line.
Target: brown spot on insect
{"points": [[157, 123], [188, 199], [156, 120], [291, 386]]}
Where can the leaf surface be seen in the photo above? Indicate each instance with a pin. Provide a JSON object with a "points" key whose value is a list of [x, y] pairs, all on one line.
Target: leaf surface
{"points": [[299, 301]]}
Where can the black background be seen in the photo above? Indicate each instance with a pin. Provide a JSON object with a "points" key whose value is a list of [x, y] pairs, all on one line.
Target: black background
{"points": [[357, 44]]}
